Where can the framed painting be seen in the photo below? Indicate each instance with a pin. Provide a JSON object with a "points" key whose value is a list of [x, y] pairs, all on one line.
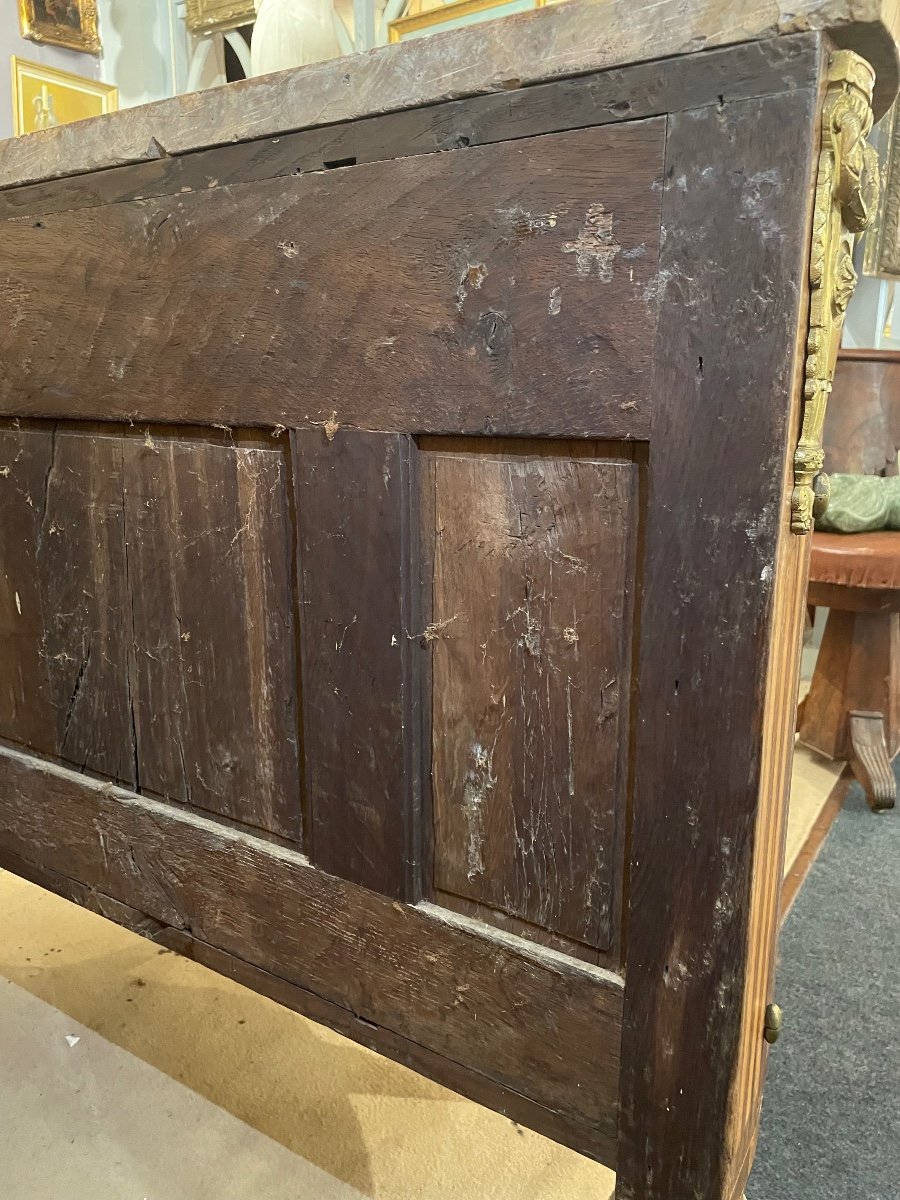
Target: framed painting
{"points": [[69, 23], [455, 16], [882, 238], [218, 16], [43, 97]]}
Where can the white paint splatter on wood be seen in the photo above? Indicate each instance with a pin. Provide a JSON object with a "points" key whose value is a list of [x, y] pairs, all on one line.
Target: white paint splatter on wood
{"points": [[595, 246], [473, 277], [478, 784]]}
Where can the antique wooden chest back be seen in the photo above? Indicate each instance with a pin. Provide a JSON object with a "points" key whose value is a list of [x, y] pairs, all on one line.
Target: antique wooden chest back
{"points": [[402, 546]]}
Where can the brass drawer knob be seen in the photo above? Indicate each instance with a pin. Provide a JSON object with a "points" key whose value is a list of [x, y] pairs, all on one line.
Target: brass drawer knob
{"points": [[774, 1022]]}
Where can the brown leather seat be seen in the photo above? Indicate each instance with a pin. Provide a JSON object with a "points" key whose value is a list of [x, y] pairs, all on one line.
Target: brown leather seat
{"points": [[857, 560]]}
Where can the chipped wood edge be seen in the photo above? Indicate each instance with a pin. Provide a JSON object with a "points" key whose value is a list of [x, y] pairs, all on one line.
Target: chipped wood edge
{"points": [[549, 43]]}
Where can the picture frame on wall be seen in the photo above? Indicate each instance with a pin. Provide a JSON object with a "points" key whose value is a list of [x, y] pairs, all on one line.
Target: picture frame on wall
{"points": [[68, 23], [44, 97], [456, 16], [881, 256], [218, 16]]}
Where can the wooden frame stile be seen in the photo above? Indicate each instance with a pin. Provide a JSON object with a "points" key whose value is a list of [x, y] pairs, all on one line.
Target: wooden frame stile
{"points": [[635, 1037], [716, 973], [844, 197]]}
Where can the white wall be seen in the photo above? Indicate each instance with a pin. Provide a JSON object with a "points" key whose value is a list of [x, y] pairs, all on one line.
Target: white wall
{"points": [[146, 50], [137, 49], [49, 56]]}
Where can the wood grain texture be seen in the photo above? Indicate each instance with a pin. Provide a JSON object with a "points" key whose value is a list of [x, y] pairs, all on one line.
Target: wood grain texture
{"points": [[214, 662], [359, 653], [298, 302], [529, 630], [502, 289], [770, 832], [850, 599], [736, 244], [536, 933], [63, 598], [26, 711], [147, 614], [608, 97], [551, 43], [857, 668], [495, 1006], [81, 553], [870, 759]]}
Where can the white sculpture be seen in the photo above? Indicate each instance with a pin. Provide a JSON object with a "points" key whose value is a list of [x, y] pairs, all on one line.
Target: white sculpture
{"points": [[289, 33]]}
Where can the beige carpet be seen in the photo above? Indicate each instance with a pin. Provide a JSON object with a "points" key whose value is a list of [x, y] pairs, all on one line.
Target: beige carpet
{"points": [[183, 1085], [812, 779]]}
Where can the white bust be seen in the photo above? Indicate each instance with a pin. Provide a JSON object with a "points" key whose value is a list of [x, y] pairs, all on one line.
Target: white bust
{"points": [[289, 33]]}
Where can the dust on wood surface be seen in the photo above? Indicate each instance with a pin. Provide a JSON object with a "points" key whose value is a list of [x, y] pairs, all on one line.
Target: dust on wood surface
{"points": [[498, 56], [146, 603], [531, 608], [503, 289]]}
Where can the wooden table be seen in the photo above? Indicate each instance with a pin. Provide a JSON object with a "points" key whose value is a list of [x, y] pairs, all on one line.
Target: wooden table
{"points": [[403, 549]]}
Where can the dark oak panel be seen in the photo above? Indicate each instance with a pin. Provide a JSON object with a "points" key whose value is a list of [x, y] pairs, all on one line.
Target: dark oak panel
{"points": [[499, 1009], [543, 45], [146, 610], [26, 711], [644, 90], [736, 211], [530, 629], [359, 688], [210, 576], [82, 559], [640, 283], [437, 309], [64, 687]]}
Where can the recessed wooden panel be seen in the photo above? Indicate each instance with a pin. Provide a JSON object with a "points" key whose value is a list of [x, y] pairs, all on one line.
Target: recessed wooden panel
{"points": [[26, 714], [353, 501], [209, 562], [506, 288], [147, 628], [63, 600], [530, 632]]}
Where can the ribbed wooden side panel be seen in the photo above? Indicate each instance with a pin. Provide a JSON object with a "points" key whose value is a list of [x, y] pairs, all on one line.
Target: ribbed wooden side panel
{"points": [[779, 722], [765, 899]]}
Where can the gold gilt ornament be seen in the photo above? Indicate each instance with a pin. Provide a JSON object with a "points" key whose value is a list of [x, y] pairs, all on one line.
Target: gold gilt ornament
{"points": [[846, 197]]}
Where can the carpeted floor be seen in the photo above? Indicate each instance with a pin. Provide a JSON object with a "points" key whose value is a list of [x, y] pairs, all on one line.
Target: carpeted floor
{"points": [[831, 1114], [129, 1072]]}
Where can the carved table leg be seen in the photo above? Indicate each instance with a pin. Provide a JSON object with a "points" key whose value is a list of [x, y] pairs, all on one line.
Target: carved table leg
{"points": [[857, 672], [870, 761]]}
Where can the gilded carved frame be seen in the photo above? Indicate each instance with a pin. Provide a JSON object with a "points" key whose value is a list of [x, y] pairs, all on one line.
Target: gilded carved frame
{"points": [[846, 196], [219, 16], [882, 246], [37, 26]]}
